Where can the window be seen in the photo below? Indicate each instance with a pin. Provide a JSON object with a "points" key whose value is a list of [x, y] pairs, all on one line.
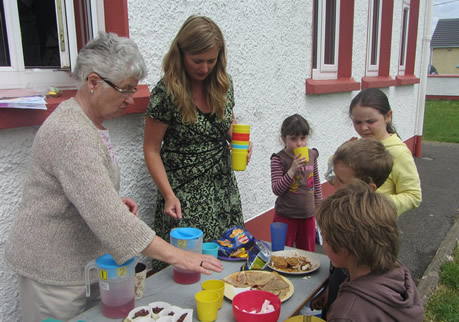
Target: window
{"points": [[374, 38], [404, 37], [326, 39], [115, 15], [332, 48], [408, 38], [40, 40], [380, 19]]}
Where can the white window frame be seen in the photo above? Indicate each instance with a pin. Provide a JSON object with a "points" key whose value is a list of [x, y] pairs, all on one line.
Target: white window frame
{"points": [[17, 76], [372, 70], [404, 38], [326, 71]]}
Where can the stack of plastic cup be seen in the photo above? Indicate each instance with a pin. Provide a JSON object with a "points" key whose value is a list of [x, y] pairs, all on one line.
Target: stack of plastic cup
{"points": [[240, 146]]}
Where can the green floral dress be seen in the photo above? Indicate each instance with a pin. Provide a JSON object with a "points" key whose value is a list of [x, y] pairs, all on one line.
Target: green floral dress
{"points": [[198, 164]]}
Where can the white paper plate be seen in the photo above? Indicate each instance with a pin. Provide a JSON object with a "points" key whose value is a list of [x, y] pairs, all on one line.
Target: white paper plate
{"points": [[313, 259]]}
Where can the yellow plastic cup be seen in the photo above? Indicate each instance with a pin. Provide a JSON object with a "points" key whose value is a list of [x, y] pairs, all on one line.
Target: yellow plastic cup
{"points": [[241, 128], [207, 305], [303, 151], [217, 286], [239, 159]]}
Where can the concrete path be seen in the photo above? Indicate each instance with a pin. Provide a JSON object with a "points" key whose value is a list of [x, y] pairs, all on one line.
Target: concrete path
{"points": [[430, 232]]}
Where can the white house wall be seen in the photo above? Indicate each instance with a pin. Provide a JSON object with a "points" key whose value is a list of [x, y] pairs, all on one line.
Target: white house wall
{"points": [[269, 57]]}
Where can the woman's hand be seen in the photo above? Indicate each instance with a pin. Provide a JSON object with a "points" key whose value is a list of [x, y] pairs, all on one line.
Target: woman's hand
{"points": [[205, 264], [132, 206], [172, 207], [250, 152], [164, 251], [153, 137]]}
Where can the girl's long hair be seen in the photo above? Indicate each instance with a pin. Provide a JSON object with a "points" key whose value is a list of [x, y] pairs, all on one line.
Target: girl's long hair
{"points": [[198, 34]]}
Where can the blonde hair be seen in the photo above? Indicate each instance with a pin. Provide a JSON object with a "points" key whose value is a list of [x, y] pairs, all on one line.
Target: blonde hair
{"points": [[362, 222], [197, 35], [368, 158]]}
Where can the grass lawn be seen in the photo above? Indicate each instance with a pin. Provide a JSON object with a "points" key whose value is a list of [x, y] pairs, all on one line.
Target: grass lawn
{"points": [[443, 304], [441, 124], [441, 121]]}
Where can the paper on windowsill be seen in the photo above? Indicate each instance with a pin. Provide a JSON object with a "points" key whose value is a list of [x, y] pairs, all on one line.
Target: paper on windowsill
{"points": [[37, 102]]}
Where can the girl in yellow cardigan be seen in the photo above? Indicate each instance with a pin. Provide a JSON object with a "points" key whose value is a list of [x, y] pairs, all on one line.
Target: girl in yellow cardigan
{"points": [[371, 115]]}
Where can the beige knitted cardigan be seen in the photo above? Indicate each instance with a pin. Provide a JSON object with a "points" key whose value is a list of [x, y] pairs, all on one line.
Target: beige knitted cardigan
{"points": [[71, 211]]}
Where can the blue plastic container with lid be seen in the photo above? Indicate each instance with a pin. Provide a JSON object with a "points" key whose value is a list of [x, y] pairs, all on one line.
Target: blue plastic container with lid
{"points": [[190, 239], [116, 284], [187, 238]]}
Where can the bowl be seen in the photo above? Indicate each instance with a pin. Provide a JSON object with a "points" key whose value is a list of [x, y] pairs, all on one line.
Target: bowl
{"points": [[143, 318], [252, 301]]}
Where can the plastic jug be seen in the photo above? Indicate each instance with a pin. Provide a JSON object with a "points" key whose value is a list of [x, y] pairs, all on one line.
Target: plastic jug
{"points": [[190, 239], [116, 284]]}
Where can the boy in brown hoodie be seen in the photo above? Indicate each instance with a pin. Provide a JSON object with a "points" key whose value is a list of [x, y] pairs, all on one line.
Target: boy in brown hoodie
{"points": [[360, 233]]}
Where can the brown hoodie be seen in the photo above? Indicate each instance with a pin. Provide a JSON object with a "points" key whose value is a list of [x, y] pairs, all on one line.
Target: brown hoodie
{"points": [[391, 296]]}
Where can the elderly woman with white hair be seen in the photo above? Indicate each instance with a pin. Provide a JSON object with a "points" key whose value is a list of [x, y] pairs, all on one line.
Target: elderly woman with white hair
{"points": [[71, 211]]}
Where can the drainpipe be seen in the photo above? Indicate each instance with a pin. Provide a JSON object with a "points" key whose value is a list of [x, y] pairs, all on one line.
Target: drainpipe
{"points": [[423, 81]]}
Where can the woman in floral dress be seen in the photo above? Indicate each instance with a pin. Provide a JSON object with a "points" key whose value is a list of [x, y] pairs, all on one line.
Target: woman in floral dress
{"points": [[187, 130]]}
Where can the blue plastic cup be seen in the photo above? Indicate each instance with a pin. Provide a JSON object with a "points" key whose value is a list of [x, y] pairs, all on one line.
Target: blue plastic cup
{"points": [[240, 146], [278, 234], [210, 249]]}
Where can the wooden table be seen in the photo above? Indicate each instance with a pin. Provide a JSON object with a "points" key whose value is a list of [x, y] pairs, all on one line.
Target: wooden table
{"points": [[161, 287]]}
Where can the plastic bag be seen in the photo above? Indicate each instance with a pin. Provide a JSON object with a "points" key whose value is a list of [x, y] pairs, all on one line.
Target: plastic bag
{"points": [[235, 243], [259, 257]]}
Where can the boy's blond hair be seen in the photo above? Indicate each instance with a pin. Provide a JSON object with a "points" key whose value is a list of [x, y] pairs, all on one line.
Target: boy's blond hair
{"points": [[362, 222], [368, 158]]}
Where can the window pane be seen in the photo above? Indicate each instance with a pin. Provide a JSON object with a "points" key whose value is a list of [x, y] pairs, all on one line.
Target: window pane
{"points": [[315, 33], [40, 39], [403, 45], [4, 52], [375, 34], [330, 27], [83, 22]]}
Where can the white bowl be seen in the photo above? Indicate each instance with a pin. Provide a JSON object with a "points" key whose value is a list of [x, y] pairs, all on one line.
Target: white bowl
{"points": [[163, 305], [146, 318], [166, 318], [179, 313], [168, 310]]}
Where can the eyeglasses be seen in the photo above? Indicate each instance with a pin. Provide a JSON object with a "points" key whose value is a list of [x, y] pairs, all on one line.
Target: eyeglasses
{"points": [[124, 92], [330, 174]]}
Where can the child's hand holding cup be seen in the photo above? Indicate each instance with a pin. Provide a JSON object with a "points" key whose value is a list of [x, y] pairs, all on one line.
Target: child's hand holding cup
{"points": [[304, 151]]}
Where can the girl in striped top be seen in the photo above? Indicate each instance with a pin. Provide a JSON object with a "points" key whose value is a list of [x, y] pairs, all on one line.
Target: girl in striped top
{"points": [[295, 180]]}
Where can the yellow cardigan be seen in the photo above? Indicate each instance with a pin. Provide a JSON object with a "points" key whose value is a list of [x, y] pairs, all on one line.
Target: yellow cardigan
{"points": [[402, 186]]}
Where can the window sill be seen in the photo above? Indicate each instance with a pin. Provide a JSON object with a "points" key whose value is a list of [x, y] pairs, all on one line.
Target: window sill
{"points": [[406, 80], [378, 82], [331, 86], [13, 118]]}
